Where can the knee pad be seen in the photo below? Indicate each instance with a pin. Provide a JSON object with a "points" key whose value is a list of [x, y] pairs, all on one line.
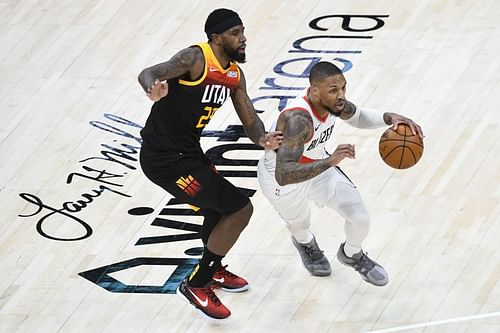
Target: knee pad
{"points": [[348, 203], [357, 215], [302, 217]]}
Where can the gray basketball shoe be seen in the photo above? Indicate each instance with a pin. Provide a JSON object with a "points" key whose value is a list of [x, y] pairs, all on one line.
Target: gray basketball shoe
{"points": [[313, 258], [369, 270]]}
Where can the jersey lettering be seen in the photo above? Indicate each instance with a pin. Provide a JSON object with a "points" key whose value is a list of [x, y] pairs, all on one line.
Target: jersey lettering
{"points": [[215, 93], [323, 137]]}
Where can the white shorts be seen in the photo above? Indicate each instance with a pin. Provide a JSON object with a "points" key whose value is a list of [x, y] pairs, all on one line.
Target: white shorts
{"points": [[291, 200]]}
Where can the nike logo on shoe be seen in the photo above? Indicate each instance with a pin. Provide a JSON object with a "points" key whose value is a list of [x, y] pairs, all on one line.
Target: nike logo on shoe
{"points": [[221, 280], [199, 300]]}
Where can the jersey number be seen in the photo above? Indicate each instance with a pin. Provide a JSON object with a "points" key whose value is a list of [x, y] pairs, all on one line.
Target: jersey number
{"points": [[203, 121]]}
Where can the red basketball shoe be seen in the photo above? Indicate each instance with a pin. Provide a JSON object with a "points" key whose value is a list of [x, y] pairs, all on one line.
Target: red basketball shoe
{"points": [[229, 281], [204, 299]]}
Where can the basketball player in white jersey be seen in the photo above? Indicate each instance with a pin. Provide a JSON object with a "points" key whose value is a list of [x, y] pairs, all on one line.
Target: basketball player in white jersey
{"points": [[301, 170]]}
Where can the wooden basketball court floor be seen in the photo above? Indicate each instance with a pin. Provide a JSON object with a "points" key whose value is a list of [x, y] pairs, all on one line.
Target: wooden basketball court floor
{"points": [[88, 244]]}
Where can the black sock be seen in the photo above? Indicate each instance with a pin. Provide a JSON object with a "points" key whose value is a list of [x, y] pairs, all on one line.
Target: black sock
{"points": [[204, 271], [212, 259]]}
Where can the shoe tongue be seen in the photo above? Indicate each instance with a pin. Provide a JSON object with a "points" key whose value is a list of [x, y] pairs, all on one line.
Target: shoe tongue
{"points": [[357, 256], [314, 251]]}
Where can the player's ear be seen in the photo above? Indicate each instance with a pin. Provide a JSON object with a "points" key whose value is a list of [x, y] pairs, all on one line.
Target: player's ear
{"points": [[314, 90], [216, 39]]}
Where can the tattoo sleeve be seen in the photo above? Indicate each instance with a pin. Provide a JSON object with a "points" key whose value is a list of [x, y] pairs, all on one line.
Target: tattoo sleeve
{"points": [[254, 127], [388, 118], [297, 129], [180, 64], [348, 111]]}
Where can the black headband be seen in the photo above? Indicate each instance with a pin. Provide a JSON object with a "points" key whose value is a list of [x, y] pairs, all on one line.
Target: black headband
{"points": [[221, 20]]}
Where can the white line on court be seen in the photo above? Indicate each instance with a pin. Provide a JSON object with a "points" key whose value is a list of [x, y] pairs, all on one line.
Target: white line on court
{"points": [[435, 323]]}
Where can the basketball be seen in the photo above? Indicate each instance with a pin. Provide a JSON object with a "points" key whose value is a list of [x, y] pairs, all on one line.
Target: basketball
{"points": [[399, 148]]}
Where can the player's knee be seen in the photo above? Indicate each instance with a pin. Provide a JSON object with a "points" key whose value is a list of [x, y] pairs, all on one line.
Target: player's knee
{"points": [[299, 220], [360, 218], [248, 210], [350, 205]]}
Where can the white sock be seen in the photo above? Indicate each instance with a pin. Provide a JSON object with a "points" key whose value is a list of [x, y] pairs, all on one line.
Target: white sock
{"points": [[305, 238], [350, 250]]}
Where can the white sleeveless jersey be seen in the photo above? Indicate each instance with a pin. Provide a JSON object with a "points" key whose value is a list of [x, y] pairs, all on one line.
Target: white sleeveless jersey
{"points": [[314, 149]]}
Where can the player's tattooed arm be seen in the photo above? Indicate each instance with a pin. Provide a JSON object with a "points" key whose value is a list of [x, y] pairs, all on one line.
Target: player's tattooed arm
{"points": [[297, 130], [348, 111], [186, 61], [254, 127], [372, 117]]}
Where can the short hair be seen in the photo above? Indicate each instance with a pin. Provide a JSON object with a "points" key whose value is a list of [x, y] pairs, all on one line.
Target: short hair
{"points": [[322, 70]]}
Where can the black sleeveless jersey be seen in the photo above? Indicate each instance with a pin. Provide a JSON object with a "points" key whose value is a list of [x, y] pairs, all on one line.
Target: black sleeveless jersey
{"points": [[177, 120]]}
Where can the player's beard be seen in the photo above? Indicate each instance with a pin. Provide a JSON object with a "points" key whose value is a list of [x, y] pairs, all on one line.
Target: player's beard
{"points": [[235, 55], [335, 113], [332, 110]]}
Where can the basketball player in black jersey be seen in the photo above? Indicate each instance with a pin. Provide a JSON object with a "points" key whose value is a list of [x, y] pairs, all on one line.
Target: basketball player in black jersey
{"points": [[187, 90]]}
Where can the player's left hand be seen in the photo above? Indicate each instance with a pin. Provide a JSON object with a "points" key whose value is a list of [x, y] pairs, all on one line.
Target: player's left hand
{"points": [[272, 140], [397, 119], [157, 91]]}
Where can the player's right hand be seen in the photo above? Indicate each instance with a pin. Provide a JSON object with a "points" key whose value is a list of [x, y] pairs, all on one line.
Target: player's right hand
{"points": [[342, 151], [157, 91], [272, 140]]}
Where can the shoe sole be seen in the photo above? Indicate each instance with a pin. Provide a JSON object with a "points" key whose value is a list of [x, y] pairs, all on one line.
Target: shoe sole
{"points": [[320, 273], [200, 311], [317, 273], [236, 290]]}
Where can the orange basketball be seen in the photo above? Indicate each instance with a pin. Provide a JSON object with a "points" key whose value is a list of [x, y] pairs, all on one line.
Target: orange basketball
{"points": [[399, 148]]}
